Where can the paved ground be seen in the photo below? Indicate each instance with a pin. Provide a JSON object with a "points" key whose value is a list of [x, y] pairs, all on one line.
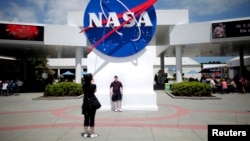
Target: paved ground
{"points": [[25, 119]]}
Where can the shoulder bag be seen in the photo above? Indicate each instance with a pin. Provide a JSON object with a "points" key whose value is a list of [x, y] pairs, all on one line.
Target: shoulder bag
{"points": [[94, 103]]}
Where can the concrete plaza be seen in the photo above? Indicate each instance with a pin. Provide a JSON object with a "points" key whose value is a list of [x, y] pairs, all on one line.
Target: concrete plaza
{"points": [[24, 119]]}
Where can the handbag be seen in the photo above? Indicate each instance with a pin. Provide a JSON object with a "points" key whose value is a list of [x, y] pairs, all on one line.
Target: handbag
{"points": [[94, 103]]}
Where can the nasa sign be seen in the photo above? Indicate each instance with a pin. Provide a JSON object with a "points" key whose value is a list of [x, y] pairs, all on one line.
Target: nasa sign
{"points": [[119, 28]]}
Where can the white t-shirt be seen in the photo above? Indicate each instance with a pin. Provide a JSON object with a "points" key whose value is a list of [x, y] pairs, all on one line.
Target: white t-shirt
{"points": [[212, 83], [4, 87]]}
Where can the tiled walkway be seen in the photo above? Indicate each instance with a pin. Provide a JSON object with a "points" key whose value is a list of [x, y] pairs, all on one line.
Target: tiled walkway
{"points": [[25, 119]]}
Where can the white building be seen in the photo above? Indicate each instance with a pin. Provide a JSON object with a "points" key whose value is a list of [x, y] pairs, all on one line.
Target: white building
{"points": [[174, 44], [173, 34], [233, 65]]}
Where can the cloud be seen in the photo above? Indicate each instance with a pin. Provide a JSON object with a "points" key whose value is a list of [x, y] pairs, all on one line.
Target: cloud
{"points": [[57, 10], [213, 7], [202, 7], [40, 11], [40, 4], [15, 12]]}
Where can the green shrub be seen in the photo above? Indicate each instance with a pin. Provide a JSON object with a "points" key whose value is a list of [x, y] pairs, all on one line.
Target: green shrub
{"points": [[191, 89], [63, 89]]}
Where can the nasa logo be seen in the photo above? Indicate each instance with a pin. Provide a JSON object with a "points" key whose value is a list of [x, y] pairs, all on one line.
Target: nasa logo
{"points": [[119, 28]]}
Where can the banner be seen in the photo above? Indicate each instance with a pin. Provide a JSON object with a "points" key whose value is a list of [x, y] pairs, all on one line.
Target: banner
{"points": [[231, 29], [21, 32]]}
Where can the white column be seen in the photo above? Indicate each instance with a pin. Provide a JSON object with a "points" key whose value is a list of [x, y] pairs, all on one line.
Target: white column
{"points": [[59, 74], [59, 55], [78, 72], [162, 62], [178, 53]]}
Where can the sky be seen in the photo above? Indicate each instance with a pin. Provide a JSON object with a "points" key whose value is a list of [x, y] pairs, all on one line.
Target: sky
{"points": [[55, 11]]}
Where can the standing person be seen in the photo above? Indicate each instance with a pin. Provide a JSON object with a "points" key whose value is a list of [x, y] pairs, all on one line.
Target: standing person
{"points": [[12, 87], [232, 85], [19, 86], [243, 83], [203, 79], [116, 90], [1, 85], [224, 85], [4, 88], [89, 89], [156, 79], [213, 85]]}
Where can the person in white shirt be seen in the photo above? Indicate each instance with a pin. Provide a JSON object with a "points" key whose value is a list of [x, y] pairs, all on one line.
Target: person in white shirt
{"points": [[19, 86], [4, 88], [213, 85]]}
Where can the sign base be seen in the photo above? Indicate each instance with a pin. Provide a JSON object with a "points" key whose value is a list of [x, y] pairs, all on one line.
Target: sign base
{"points": [[136, 74]]}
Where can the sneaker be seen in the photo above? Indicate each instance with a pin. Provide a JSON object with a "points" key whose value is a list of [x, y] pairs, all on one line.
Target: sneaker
{"points": [[120, 110], [116, 110], [85, 135], [93, 135]]}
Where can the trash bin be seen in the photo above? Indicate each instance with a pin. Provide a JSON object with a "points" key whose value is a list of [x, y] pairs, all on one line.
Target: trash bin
{"points": [[167, 87]]}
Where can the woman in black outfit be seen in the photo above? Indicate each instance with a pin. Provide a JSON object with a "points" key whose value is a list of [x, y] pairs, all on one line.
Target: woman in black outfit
{"points": [[89, 89]]}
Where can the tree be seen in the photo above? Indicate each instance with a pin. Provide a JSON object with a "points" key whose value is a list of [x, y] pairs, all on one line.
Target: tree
{"points": [[36, 65]]}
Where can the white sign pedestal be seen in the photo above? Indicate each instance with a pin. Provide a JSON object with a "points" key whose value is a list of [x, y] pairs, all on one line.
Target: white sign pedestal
{"points": [[136, 74]]}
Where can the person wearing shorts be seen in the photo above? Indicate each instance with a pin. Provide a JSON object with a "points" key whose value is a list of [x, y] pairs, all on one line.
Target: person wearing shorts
{"points": [[116, 89]]}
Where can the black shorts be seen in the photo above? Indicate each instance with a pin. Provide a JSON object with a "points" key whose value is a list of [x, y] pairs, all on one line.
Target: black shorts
{"points": [[116, 96]]}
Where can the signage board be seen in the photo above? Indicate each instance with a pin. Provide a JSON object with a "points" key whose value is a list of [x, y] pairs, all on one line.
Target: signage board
{"points": [[231, 29], [119, 28], [21, 32]]}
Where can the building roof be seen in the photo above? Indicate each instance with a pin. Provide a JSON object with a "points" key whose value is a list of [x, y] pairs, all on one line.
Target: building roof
{"points": [[234, 62]]}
